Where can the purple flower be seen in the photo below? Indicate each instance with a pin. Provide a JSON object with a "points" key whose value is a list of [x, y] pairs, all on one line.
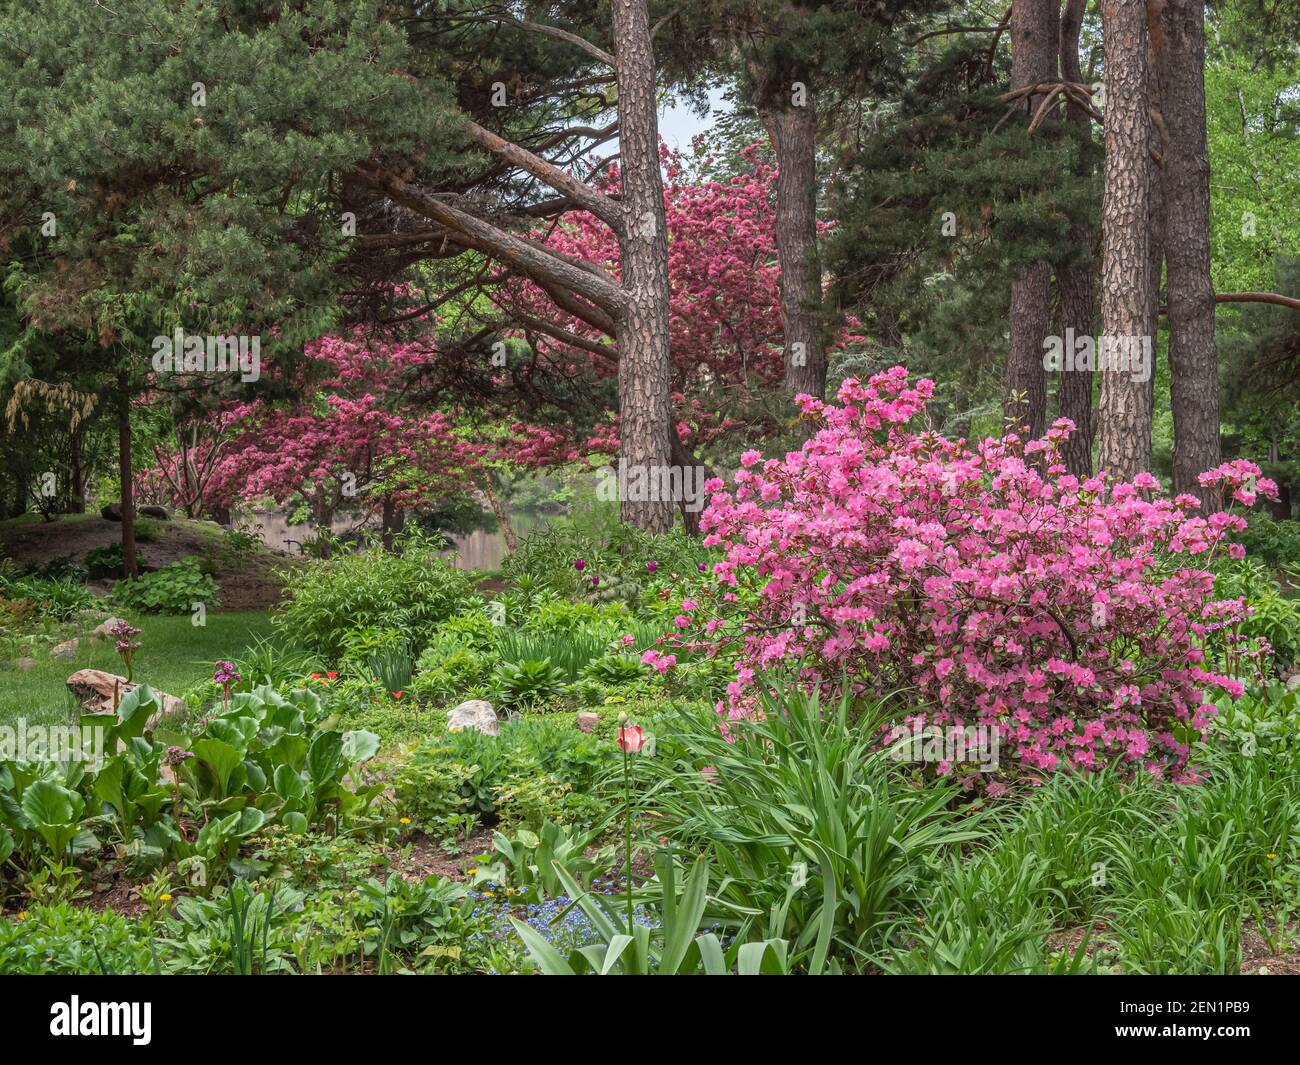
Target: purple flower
{"points": [[579, 564], [127, 645], [651, 566], [125, 631], [226, 673], [701, 566]]}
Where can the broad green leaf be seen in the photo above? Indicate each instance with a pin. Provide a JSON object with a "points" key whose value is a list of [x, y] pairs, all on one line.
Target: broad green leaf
{"points": [[325, 757], [289, 785], [47, 803], [221, 760], [359, 746], [294, 822]]}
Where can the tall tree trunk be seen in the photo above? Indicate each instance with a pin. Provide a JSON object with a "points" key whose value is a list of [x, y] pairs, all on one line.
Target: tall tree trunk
{"points": [[392, 520], [76, 459], [644, 406], [1156, 205], [322, 510], [1074, 282], [1034, 48], [691, 504], [793, 132], [1124, 412], [1193, 357], [22, 486], [129, 566], [500, 512]]}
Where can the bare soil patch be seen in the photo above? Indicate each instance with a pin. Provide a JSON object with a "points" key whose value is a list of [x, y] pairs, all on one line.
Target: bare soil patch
{"points": [[246, 581]]}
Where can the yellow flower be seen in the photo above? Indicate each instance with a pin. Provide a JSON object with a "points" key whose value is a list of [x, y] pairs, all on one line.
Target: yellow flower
{"points": [[22, 916], [489, 894], [403, 820], [472, 872], [164, 897], [1272, 857]]}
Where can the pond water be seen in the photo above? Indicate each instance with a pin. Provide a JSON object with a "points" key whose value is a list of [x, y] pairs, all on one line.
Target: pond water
{"points": [[476, 550]]}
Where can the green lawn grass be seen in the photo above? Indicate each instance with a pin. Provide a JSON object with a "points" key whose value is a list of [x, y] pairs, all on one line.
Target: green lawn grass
{"points": [[175, 656]]}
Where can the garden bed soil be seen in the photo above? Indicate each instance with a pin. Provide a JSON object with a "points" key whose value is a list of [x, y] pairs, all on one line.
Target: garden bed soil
{"points": [[247, 583]]}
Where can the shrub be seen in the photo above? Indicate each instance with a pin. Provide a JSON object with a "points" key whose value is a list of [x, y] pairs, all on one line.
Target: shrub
{"points": [[105, 561], [74, 940], [56, 598], [1273, 542], [443, 677], [536, 769], [472, 629], [174, 589], [615, 670], [391, 666], [562, 618], [410, 592], [815, 835], [147, 530], [1273, 616], [569, 654], [985, 581], [608, 568], [525, 684]]}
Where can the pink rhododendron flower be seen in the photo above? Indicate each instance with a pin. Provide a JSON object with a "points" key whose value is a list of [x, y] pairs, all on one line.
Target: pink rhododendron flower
{"points": [[1074, 619]]}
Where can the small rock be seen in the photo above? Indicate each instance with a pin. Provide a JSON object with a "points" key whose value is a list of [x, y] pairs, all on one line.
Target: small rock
{"points": [[155, 512], [105, 631], [587, 721], [66, 650], [111, 512], [476, 714], [25, 663], [94, 690]]}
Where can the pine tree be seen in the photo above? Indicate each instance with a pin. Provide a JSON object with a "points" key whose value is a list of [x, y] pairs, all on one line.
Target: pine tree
{"points": [[1124, 412]]}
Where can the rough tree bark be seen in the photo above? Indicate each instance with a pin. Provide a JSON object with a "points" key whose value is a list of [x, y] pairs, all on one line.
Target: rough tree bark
{"points": [[644, 404], [1154, 170], [793, 132], [1193, 357], [129, 566], [1075, 294], [1034, 48], [1124, 414]]}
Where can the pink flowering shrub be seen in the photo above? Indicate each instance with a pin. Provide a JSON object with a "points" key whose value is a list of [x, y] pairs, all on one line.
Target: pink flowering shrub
{"points": [[985, 585]]}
